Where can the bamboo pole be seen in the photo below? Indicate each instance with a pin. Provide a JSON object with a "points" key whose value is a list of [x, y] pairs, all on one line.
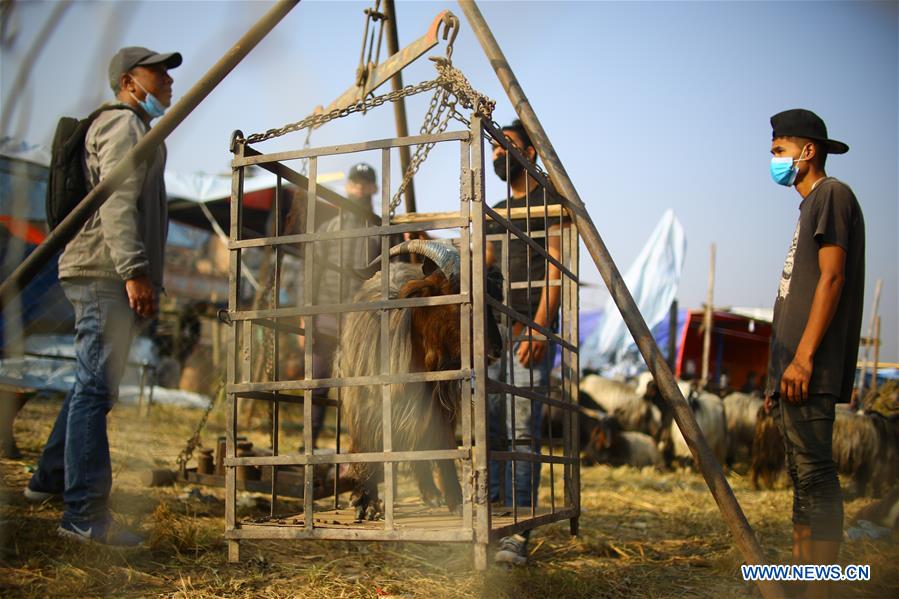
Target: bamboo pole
{"points": [[876, 355], [145, 148], [874, 308], [707, 320], [711, 469]]}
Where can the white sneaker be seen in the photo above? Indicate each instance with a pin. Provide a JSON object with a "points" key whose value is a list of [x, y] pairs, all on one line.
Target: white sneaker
{"points": [[40, 496]]}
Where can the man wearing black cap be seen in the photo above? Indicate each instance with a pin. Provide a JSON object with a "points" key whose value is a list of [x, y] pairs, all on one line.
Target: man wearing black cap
{"points": [[334, 281], [111, 272], [817, 320]]}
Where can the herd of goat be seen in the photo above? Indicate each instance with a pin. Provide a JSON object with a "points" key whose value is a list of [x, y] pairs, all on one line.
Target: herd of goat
{"points": [[630, 424]]}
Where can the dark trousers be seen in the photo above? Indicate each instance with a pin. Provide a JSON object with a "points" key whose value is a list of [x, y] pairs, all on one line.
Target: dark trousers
{"points": [[324, 350], [807, 430], [75, 460], [322, 368]]}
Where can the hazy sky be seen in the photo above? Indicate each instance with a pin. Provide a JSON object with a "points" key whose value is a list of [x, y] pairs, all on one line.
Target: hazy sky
{"points": [[651, 105]]}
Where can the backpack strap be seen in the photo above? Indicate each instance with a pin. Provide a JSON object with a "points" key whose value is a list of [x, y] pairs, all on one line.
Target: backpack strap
{"points": [[119, 106]]}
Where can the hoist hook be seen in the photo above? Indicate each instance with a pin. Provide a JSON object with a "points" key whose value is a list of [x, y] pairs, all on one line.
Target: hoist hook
{"points": [[450, 24]]}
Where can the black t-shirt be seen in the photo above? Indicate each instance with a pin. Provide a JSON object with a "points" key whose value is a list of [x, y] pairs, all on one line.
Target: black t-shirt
{"points": [[830, 214], [518, 250]]}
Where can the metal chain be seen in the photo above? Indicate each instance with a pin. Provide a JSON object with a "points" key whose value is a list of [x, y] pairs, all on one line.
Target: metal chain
{"points": [[454, 90], [451, 89], [317, 120], [194, 440]]}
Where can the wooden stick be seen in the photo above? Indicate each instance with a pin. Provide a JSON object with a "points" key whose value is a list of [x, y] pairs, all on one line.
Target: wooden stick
{"points": [[874, 308], [707, 320], [876, 354]]}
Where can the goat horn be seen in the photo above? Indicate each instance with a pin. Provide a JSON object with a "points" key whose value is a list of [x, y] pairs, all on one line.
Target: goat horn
{"points": [[443, 254]]}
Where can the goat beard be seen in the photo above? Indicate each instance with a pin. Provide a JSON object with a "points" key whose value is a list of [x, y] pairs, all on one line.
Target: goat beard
{"points": [[447, 393]]}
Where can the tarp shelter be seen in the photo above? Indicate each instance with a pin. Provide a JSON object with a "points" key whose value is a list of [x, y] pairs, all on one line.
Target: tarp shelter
{"points": [[186, 191], [22, 193], [653, 279], [42, 307]]}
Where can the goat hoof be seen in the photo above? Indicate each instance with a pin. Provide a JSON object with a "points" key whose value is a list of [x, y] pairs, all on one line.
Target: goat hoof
{"points": [[360, 513], [374, 511], [432, 500]]}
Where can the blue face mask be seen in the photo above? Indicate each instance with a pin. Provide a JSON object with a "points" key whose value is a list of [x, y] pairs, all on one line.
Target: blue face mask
{"points": [[784, 170], [150, 104]]}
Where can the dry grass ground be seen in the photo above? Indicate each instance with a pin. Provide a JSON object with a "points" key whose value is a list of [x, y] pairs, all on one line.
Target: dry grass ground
{"points": [[643, 534]]}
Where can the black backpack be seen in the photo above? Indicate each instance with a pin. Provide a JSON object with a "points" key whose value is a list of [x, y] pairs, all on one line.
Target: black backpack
{"points": [[66, 185]]}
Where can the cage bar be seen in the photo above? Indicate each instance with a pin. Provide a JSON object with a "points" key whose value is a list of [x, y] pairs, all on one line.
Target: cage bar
{"points": [[405, 518]]}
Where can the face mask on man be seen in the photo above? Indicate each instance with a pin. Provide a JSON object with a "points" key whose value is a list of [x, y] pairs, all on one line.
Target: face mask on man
{"points": [[785, 169], [150, 104], [499, 167]]}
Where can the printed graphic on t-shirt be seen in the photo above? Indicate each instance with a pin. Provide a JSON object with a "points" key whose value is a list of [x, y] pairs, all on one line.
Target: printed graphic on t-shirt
{"points": [[784, 289]]}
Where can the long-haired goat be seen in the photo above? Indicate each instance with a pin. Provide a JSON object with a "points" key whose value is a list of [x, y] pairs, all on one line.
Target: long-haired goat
{"points": [[768, 457], [422, 339], [865, 449]]}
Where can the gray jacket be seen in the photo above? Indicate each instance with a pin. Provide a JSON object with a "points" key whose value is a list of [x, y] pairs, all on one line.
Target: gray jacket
{"points": [[329, 285], [126, 237]]}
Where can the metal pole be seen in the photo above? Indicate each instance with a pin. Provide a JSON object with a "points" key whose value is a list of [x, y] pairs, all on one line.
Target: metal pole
{"points": [[707, 321], [711, 469], [71, 224], [399, 107]]}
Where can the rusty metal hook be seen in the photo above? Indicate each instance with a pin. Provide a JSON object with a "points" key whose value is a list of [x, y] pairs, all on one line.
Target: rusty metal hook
{"points": [[450, 24]]}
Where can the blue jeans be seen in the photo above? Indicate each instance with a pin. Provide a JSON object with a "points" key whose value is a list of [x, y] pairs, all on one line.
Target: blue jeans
{"points": [[75, 460], [525, 419]]}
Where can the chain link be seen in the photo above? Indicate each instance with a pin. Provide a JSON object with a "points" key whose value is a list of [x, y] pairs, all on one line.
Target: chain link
{"points": [[317, 120], [451, 90], [454, 90], [194, 440]]}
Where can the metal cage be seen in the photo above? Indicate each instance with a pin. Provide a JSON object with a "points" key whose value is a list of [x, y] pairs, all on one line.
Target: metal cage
{"points": [[473, 226]]}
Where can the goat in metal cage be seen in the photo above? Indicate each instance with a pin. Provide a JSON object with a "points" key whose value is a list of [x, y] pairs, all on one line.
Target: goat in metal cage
{"points": [[422, 339]]}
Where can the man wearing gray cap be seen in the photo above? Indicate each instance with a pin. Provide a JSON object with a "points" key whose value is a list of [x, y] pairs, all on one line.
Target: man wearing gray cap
{"points": [[111, 272], [332, 282]]}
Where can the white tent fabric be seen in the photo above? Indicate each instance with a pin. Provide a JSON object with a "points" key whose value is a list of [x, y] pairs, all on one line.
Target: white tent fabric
{"points": [[652, 279], [203, 187], [17, 148], [760, 314]]}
